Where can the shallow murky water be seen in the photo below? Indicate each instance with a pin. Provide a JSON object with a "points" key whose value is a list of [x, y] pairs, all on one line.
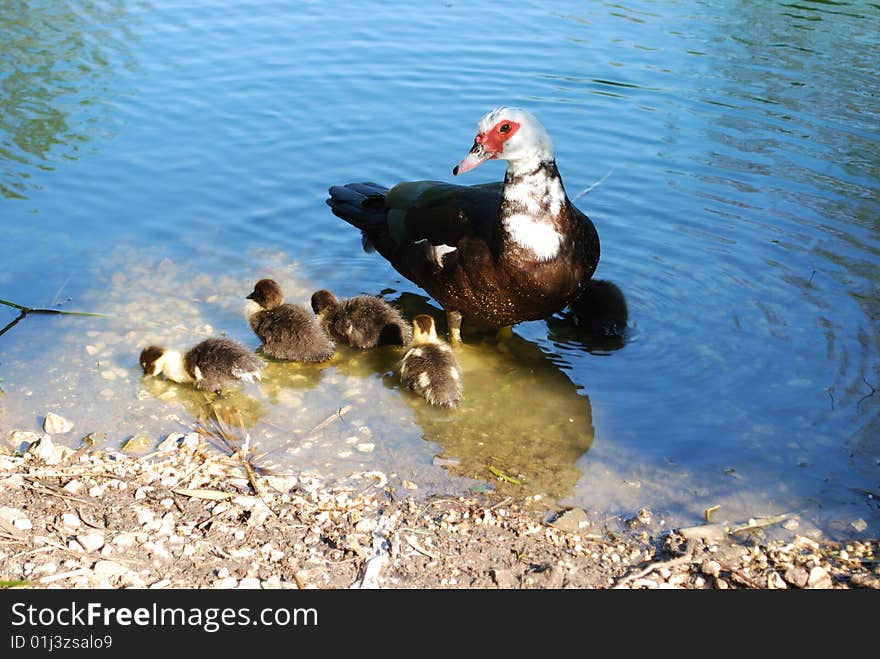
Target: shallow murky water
{"points": [[158, 158]]}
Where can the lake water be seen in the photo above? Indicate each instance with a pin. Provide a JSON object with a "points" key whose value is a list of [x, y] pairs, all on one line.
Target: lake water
{"points": [[157, 158]]}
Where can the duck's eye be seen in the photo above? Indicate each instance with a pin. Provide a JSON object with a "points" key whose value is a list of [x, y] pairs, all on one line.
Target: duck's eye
{"points": [[504, 128]]}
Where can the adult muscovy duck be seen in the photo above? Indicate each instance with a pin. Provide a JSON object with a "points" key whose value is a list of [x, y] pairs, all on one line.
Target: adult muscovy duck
{"points": [[493, 254]]}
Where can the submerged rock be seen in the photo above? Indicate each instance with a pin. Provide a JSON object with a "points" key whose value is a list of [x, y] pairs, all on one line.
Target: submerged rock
{"points": [[573, 520], [55, 424], [48, 451]]}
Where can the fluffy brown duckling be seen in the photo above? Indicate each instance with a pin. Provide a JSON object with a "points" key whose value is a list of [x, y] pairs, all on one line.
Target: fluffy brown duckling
{"points": [[210, 365], [363, 321], [429, 367], [288, 331]]}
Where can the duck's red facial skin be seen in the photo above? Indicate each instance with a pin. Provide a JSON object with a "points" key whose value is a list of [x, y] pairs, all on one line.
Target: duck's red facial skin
{"points": [[487, 145], [493, 139]]}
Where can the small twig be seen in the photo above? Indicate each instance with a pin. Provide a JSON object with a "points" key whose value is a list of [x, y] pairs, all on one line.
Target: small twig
{"points": [[38, 550], [330, 419], [500, 504], [87, 522], [595, 185], [65, 575], [868, 395], [51, 490], [741, 577], [12, 324], [411, 541], [673, 562]]}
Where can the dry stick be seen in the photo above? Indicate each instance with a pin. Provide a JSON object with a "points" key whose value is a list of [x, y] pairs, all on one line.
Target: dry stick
{"points": [[51, 491], [88, 522], [742, 578], [65, 575], [326, 422], [674, 562], [32, 551], [68, 474], [500, 504], [411, 541]]}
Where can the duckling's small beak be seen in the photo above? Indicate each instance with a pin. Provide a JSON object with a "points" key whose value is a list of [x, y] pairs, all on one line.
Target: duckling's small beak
{"points": [[251, 296]]}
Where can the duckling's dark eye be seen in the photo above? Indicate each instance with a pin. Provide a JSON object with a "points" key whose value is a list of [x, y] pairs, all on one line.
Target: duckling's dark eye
{"points": [[505, 128]]}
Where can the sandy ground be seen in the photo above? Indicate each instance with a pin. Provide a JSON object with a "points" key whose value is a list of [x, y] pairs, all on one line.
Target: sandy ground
{"points": [[187, 515]]}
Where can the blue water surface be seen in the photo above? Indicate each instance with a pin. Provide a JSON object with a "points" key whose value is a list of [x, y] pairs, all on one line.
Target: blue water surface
{"points": [[158, 157]]}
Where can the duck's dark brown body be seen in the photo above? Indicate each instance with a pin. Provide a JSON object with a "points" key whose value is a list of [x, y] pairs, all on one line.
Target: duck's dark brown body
{"points": [[489, 280]]}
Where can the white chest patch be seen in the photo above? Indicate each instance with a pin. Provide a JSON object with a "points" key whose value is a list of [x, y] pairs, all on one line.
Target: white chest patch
{"points": [[539, 237], [538, 199]]}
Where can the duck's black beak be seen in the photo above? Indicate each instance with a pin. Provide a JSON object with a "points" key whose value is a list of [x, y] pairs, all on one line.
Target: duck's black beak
{"points": [[251, 296]]}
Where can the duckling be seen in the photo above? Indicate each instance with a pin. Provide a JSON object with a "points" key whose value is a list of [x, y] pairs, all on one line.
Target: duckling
{"points": [[210, 364], [601, 309], [429, 367], [288, 331], [363, 321]]}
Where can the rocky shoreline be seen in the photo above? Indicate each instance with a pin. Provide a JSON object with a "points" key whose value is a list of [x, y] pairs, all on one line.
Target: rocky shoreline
{"points": [[185, 515]]}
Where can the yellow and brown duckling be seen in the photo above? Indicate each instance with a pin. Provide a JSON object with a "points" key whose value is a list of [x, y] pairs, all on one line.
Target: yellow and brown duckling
{"points": [[211, 364], [288, 331], [363, 321], [430, 367]]}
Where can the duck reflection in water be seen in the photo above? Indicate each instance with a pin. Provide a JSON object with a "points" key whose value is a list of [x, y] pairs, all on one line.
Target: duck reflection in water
{"points": [[521, 415]]}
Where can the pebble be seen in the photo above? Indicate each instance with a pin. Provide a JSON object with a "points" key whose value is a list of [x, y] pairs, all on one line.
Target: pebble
{"points": [[249, 583], [55, 424], [190, 440], [70, 521], [22, 439], [776, 582], [366, 447], [170, 442], [106, 569], [796, 576], [365, 526], [137, 444], [73, 486], [92, 541], [859, 525], [228, 582], [282, 483], [819, 578], [16, 518], [49, 452], [572, 521], [504, 578], [108, 375], [711, 568]]}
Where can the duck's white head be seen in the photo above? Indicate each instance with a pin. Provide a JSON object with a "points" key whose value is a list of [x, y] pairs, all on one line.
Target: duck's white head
{"points": [[510, 134]]}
